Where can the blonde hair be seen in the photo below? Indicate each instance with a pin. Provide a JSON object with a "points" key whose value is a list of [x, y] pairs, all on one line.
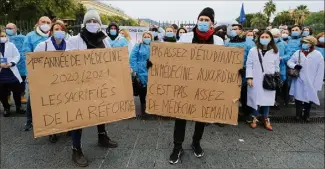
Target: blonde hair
{"points": [[147, 33], [171, 28], [3, 33], [126, 34]]}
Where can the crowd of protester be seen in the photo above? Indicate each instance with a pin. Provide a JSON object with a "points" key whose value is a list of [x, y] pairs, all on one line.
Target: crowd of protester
{"points": [[292, 57]]}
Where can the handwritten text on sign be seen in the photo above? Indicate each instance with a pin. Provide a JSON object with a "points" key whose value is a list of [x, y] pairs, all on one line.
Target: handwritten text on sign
{"points": [[195, 82], [76, 89]]}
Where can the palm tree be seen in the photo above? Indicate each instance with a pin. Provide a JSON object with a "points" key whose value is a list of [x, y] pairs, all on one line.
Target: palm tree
{"points": [[300, 14], [269, 9], [259, 21]]}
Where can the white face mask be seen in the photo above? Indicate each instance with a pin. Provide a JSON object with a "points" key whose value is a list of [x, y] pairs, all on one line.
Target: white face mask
{"points": [[93, 27], [45, 27], [3, 40]]}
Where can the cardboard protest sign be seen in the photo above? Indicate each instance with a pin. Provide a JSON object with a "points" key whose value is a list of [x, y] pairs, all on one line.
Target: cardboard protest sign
{"points": [[76, 89], [195, 82]]}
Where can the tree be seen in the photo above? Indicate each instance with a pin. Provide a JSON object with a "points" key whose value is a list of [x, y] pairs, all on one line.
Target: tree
{"points": [[247, 23], [269, 9], [283, 17], [300, 14], [315, 19], [259, 21]]}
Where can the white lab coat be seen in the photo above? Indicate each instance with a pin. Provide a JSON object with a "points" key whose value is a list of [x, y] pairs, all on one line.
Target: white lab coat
{"points": [[50, 47], [188, 37], [310, 79], [79, 44], [12, 55], [257, 95]]}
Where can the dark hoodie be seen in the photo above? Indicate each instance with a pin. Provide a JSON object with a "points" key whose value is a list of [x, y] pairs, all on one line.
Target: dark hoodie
{"points": [[177, 33], [239, 38], [222, 34], [113, 37], [155, 30]]}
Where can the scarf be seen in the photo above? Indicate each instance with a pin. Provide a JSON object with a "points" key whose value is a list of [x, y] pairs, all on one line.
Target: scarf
{"points": [[62, 45], [204, 36], [168, 39], [93, 40], [39, 32], [320, 45], [306, 52]]}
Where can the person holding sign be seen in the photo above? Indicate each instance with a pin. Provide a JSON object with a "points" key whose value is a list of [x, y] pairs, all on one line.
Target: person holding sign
{"points": [[180, 32], [41, 33], [203, 33], [170, 35], [90, 37], [262, 61], [10, 78], [140, 63], [238, 39], [54, 43], [310, 64]]}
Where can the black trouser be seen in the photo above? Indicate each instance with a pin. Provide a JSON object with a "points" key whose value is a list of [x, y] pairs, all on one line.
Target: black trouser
{"points": [[285, 92], [76, 135], [16, 90], [179, 132], [243, 100], [303, 107], [143, 95], [22, 86]]}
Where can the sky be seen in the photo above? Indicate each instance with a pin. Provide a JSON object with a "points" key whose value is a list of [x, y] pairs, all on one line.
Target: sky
{"points": [[169, 10]]}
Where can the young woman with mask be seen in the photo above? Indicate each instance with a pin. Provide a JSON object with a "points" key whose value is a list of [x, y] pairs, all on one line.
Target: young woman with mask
{"points": [[261, 61], [90, 37], [54, 43], [10, 78], [285, 36], [203, 33], [158, 33], [125, 33], [140, 63], [310, 64], [180, 32], [170, 35], [307, 31], [250, 39]]}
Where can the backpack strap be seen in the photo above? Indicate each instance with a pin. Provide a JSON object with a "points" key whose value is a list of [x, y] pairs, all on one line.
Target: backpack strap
{"points": [[260, 58]]}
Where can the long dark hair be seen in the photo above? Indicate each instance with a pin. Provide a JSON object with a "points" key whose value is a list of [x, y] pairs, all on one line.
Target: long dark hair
{"points": [[177, 33], [271, 45]]}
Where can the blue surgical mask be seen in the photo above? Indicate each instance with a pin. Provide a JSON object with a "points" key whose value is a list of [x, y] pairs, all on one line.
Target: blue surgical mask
{"points": [[112, 32], [203, 26], [147, 40], [59, 35], [170, 34], [10, 32], [295, 33], [305, 33], [321, 40], [305, 46], [276, 40], [249, 38], [265, 41], [233, 33], [154, 34]]}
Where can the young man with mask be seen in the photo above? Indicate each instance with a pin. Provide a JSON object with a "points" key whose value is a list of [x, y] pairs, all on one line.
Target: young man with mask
{"points": [[40, 34], [18, 40], [90, 37], [114, 39], [238, 39], [203, 33]]}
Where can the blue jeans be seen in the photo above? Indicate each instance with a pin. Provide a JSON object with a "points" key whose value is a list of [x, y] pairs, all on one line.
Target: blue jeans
{"points": [[264, 109], [29, 112], [76, 138]]}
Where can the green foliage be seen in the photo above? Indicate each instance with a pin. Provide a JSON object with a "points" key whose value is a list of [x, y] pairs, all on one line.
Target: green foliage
{"points": [[247, 23], [118, 19], [315, 19], [259, 21], [283, 17], [300, 14], [269, 9]]}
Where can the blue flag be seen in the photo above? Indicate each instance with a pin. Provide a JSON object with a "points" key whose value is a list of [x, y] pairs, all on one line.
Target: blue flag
{"points": [[242, 17]]}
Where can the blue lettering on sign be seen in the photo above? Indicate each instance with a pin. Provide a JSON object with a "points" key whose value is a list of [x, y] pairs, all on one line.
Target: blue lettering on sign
{"points": [[132, 30]]}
